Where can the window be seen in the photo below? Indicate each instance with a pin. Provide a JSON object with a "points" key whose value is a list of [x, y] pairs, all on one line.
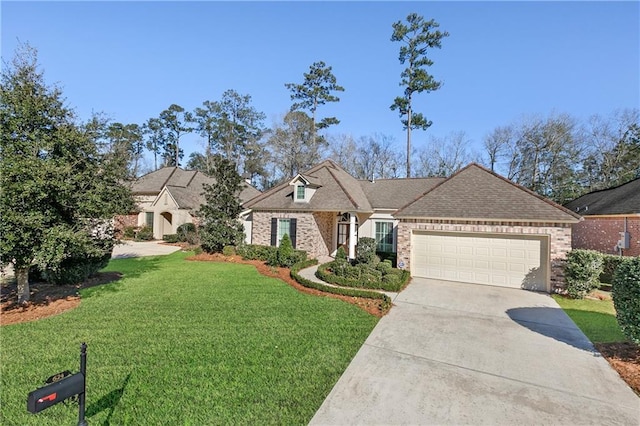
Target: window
{"points": [[279, 227], [300, 189], [384, 236], [149, 219]]}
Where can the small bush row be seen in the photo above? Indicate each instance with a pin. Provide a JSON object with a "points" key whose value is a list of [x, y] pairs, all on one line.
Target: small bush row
{"points": [[284, 255], [626, 297], [383, 276]]}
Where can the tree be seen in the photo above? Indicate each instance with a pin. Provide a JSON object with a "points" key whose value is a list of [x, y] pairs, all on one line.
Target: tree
{"points": [[417, 37], [443, 156], [292, 146], [233, 128], [57, 188], [376, 158], [316, 90], [173, 121], [220, 224], [126, 143], [155, 137]]}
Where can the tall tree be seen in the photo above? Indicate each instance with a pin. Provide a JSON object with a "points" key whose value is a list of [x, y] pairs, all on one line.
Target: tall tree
{"points": [[376, 158], [126, 143], [219, 213], [317, 89], [155, 138], [56, 185], [417, 37], [443, 156], [233, 128], [174, 120]]}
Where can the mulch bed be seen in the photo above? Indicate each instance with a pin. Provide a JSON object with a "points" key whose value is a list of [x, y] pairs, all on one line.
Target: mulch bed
{"points": [[624, 357]]}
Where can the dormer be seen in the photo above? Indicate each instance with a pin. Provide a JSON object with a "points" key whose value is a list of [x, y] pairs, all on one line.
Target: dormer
{"points": [[303, 188]]}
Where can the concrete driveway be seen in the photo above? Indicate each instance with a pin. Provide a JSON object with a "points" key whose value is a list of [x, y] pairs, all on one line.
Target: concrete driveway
{"points": [[454, 353], [141, 248]]}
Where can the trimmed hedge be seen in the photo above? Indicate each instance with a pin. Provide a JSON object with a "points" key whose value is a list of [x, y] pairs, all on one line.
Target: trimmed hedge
{"points": [[268, 254], [385, 301], [626, 297], [582, 272], [145, 234], [170, 238], [609, 266], [363, 276]]}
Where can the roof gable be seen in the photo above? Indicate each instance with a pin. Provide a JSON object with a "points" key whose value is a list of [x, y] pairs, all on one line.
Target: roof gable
{"points": [[337, 191], [475, 193], [622, 199]]}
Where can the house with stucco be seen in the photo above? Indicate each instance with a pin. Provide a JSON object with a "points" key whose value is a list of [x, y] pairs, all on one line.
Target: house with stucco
{"points": [[170, 197], [611, 220], [474, 226]]}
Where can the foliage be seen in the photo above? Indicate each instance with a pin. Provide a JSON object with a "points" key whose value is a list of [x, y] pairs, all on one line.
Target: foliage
{"points": [[385, 301], [366, 251], [129, 232], [187, 232], [387, 255], [257, 252], [126, 143], [174, 120], [293, 349], [229, 250], [54, 179], [341, 255], [626, 298], [609, 266], [317, 88], [383, 276], [171, 238], [285, 256], [233, 129], [145, 233], [582, 272], [220, 224], [417, 37], [155, 138], [596, 318]]}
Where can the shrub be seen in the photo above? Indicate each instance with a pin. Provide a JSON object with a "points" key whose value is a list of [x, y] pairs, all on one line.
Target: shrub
{"points": [[582, 272], [626, 297], [609, 266], [362, 275], [145, 234], [170, 238], [257, 252], [384, 266], [390, 256], [185, 228], [215, 235], [341, 254], [229, 250], [188, 233], [366, 251], [129, 232]]}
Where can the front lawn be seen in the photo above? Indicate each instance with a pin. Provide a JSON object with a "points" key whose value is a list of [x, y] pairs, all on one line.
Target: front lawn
{"points": [[178, 342], [596, 318]]}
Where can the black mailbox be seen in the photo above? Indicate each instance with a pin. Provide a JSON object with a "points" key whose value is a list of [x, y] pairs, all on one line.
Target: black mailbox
{"points": [[54, 393]]}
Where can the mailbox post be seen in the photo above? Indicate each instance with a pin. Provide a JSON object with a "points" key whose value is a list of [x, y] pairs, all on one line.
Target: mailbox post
{"points": [[60, 390]]}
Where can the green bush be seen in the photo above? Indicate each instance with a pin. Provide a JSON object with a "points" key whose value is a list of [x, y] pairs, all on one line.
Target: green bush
{"points": [[145, 234], [609, 266], [257, 252], [215, 235], [229, 250], [582, 272], [366, 251], [341, 254], [390, 256], [362, 276], [385, 266], [170, 238], [129, 232], [185, 228], [626, 297]]}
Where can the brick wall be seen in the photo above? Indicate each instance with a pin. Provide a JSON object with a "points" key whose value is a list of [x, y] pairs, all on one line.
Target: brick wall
{"points": [[559, 239], [314, 232], [602, 234], [122, 221]]}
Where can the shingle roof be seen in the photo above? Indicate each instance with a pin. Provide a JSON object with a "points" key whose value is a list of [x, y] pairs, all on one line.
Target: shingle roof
{"points": [[392, 194], [475, 193], [623, 199], [338, 191], [185, 186]]}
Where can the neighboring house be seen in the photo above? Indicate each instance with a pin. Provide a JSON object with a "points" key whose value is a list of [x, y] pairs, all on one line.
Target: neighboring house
{"points": [[611, 220], [170, 197], [474, 226]]}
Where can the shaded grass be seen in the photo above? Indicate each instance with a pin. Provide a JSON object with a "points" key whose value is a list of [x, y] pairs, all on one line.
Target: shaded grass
{"points": [[178, 342], [596, 318]]}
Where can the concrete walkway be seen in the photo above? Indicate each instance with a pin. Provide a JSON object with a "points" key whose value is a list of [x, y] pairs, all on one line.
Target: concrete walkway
{"points": [[141, 248], [453, 354]]}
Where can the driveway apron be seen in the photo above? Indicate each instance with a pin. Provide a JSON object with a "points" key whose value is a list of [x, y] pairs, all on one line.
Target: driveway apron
{"points": [[455, 353]]}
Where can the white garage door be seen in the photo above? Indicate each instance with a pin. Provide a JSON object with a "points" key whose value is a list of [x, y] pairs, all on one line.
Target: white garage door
{"points": [[507, 261]]}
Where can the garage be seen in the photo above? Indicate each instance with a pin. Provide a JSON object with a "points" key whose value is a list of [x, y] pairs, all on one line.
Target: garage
{"points": [[516, 261]]}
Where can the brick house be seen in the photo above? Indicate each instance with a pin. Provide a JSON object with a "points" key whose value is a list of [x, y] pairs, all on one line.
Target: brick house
{"points": [[611, 220], [169, 197], [474, 226]]}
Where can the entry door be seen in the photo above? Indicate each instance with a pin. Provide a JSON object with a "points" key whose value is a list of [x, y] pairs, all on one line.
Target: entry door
{"points": [[343, 236]]}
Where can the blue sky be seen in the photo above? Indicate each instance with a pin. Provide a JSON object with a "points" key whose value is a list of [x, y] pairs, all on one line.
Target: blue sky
{"points": [[502, 61]]}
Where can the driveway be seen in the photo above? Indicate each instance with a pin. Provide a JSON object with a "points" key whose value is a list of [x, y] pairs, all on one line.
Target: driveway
{"points": [[454, 353], [141, 248]]}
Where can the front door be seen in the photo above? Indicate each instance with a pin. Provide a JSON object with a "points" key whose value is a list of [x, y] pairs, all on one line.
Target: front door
{"points": [[343, 236]]}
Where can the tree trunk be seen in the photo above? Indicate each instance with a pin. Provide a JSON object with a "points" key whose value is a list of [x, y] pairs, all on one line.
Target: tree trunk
{"points": [[409, 140], [22, 278]]}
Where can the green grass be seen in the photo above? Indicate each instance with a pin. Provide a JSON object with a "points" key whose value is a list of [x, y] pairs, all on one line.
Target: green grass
{"points": [[180, 343], [596, 318]]}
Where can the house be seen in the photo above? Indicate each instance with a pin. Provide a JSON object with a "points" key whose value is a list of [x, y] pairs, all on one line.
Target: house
{"points": [[474, 226], [611, 220], [169, 197]]}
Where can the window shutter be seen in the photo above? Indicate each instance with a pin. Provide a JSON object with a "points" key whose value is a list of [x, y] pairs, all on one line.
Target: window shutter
{"points": [[292, 231], [274, 231]]}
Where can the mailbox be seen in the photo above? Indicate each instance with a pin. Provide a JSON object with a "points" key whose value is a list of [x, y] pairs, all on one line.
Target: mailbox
{"points": [[54, 393]]}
